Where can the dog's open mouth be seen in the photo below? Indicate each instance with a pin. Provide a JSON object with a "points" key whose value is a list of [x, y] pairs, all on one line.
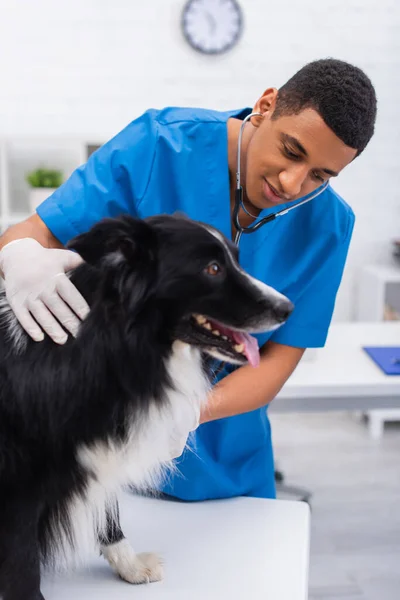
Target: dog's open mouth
{"points": [[234, 344]]}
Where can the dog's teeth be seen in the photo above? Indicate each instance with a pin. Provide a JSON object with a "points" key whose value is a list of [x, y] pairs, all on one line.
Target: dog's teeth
{"points": [[216, 332], [200, 319], [224, 337], [207, 326], [239, 348]]}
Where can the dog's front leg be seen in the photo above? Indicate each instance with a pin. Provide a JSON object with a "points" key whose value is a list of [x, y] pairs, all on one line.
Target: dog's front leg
{"points": [[19, 551], [132, 567]]}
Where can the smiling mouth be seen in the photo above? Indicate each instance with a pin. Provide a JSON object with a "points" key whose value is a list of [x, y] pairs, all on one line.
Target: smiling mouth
{"points": [[232, 343], [273, 189], [275, 192]]}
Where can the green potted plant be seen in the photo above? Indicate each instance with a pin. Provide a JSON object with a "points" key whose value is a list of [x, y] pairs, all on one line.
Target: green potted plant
{"points": [[43, 182]]}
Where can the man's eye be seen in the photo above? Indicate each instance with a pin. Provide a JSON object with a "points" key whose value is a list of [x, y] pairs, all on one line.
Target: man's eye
{"points": [[318, 177], [290, 154]]}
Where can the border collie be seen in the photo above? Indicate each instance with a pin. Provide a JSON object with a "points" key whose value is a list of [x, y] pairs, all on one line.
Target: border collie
{"points": [[82, 420]]}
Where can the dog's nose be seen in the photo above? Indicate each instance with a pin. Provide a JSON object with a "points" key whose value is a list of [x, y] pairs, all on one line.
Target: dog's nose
{"points": [[283, 310]]}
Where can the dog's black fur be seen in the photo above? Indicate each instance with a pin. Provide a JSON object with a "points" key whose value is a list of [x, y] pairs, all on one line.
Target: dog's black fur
{"points": [[143, 280]]}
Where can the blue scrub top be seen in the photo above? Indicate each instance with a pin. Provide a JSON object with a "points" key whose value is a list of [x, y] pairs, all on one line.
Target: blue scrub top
{"points": [[176, 159]]}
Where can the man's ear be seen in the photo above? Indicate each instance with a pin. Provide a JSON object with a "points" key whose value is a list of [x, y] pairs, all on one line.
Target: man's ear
{"points": [[265, 105], [123, 239]]}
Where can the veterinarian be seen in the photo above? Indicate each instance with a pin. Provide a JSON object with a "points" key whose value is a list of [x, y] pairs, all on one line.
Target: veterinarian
{"points": [[183, 159]]}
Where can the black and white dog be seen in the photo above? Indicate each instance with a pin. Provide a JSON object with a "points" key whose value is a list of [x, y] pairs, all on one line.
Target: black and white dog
{"points": [[79, 421]]}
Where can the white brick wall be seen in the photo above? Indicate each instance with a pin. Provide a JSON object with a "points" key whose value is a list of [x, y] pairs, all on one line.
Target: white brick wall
{"points": [[87, 67]]}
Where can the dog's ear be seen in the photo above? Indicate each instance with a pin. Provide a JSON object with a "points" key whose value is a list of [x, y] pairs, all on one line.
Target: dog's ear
{"points": [[113, 240]]}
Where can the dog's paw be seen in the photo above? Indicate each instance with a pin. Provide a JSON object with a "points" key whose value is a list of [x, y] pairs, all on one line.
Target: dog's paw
{"points": [[142, 568], [131, 567], [153, 566]]}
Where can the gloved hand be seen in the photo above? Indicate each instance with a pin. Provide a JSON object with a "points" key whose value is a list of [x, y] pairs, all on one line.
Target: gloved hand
{"points": [[181, 429], [36, 286]]}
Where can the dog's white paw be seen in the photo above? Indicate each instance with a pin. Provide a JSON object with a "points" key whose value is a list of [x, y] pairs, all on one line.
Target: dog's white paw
{"points": [[153, 566], [133, 568]]}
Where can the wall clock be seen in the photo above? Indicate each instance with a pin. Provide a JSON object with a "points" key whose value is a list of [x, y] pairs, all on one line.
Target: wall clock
{"points": [[212, 26]]}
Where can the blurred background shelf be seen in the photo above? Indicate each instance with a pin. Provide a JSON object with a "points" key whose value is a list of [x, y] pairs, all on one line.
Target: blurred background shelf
{"points": [[378, 299], [21, 155]]}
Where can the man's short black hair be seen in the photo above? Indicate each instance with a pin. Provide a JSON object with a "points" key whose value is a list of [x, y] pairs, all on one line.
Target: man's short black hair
{"points": [[341, 93]]}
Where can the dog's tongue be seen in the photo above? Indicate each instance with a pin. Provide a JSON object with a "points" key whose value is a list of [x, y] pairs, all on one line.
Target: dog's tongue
{"points": [[251, 349]]}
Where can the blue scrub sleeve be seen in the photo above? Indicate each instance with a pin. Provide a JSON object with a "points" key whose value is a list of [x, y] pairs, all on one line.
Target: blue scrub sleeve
{"points": [[112, 182], [309, 323]]}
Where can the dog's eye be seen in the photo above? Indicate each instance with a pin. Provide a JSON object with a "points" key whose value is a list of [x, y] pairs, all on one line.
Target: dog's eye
{"points": [[213, 269]]}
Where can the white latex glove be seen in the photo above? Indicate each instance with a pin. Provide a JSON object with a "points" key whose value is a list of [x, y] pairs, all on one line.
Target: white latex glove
{"points": [[36, 286], [184, 424], [178, 442]]}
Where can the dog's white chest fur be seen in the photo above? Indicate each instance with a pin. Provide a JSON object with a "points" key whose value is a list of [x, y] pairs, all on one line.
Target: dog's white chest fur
{"points": [[153, 441], [160, 435]]}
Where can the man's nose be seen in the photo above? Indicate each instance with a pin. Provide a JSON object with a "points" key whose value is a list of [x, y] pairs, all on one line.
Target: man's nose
{"points": [[292, 180]]}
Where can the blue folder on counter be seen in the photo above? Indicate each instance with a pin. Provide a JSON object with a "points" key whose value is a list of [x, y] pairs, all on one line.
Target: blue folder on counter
{"points": [[386, 357]]}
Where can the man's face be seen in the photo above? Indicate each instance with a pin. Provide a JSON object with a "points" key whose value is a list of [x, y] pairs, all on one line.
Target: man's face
{"points": [[289, 157]]}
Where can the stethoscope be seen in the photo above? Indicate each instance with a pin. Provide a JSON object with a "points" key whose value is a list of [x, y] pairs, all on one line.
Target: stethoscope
{"points": [[255, 226], [239, 196]]}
